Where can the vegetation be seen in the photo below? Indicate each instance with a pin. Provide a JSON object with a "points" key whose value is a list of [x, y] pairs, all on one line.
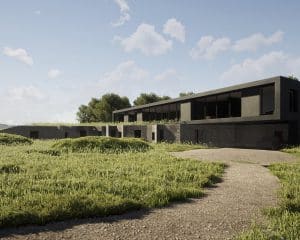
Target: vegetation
{"points": [[177, 147], [11, 139], [146, 98], [284, 220], [100, 110], [101, 144], [184, 94], [40, 184]]}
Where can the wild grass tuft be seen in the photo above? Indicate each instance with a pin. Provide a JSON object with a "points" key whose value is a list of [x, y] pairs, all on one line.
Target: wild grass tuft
{"points": [[12, 139], [101, 144]]}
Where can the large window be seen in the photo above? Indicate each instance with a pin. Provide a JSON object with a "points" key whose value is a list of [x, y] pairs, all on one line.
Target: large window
{"points": [[217, 106], [293, 100], [267, 100]]}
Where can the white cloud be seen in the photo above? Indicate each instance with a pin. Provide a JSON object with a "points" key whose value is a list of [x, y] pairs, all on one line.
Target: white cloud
{"points": [[54, 73], [253, 42], [126, 72], [175, 29], [20, 54], [271, 64], [124, 11], [25, 93], [146, 40], [208, 47], [169, 74]]}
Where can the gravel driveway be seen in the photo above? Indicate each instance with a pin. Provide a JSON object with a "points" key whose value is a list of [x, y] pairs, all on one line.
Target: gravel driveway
{"points": [[228, 208]]}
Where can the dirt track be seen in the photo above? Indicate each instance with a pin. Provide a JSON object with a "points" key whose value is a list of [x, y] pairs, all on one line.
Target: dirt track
{"points": [[227, 209]]}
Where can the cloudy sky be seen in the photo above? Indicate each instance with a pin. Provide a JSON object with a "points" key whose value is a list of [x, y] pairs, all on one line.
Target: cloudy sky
{"points": [[56, 55]]}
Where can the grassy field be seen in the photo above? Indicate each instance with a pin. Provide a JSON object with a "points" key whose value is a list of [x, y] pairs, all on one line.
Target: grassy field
{"points": [[284, 221], [40, 185]]}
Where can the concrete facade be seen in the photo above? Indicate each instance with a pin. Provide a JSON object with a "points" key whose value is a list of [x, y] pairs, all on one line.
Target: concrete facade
{"points": [[260, 114], [54, 132]]}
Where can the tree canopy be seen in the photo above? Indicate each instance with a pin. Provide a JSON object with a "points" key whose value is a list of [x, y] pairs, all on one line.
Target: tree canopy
{"points": [[146, 98], [100, 110], [183, 94]]}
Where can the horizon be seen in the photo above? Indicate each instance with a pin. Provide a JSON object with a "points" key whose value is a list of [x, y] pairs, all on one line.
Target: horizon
{"points": [[55, 56]]}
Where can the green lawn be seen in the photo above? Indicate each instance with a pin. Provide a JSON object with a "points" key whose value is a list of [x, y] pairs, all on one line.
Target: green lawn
{"points": [[40, 185], [284, 220]]}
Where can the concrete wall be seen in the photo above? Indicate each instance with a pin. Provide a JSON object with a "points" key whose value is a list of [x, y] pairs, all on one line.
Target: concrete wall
{"points": [[128, 131], [168, 133], [139, 117], [54, 132], [259, 135], [250, 106], [185, 111]]}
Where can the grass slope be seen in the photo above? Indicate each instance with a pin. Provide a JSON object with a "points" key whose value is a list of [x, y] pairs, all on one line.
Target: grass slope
{"points": [[284, 221], [40, 185]]}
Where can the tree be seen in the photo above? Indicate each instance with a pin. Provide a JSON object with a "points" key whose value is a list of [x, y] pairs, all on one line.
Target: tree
{"points": [[146, 98], [293, 77], [100, 110], [183, 94]]}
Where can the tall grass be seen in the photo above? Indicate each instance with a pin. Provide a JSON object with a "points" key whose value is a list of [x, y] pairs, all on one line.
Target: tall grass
{"points": [[101, 144], [284, 220], [39, 185], [11, 139]]}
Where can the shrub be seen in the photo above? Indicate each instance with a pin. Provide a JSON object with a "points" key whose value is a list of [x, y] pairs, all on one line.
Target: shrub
{"points": [[101, 144], [12, 139]]}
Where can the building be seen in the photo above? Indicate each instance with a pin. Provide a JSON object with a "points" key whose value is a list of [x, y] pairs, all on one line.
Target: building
{"points": [[260, 114], [54, 132]]}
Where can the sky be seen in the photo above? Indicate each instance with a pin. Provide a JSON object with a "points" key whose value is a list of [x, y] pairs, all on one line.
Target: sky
{"points": [[56, 55]]}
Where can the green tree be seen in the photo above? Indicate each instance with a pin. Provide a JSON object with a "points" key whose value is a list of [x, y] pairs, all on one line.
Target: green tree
{"points": [[183, 94], [100, 110], [146, 98], [293, 77]]}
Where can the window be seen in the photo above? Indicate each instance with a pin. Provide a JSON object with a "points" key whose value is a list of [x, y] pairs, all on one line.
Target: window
{"points": [[293, 98], [161, 134], [137, 133], [82, 133], [153, 136], [34, 134], [66, 134], [267, 100]]}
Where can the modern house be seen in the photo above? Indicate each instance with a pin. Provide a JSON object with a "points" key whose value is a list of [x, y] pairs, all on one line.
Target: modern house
{"points": [[259, 114]]}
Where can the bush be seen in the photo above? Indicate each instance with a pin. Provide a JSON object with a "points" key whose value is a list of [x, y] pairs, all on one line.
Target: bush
{"points": [[12, 139], [101, 144]]}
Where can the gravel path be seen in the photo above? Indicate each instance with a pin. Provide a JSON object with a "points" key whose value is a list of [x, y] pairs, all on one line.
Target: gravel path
{"points": [[228, 209]]}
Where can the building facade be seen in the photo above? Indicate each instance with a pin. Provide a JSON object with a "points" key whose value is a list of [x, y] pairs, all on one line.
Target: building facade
{"points": [[260, 114]]}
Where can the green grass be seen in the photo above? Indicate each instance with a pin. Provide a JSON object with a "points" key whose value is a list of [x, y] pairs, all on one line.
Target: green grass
{"points": [[101, 144], [11, 139], [284, 220], [39, 184]]}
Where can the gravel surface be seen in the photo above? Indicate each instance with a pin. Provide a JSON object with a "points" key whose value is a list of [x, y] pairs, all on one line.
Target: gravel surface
{"points": [[225, 211]]}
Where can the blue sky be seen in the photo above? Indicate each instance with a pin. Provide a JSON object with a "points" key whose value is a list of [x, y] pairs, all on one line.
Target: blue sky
{"points": [[56, 55]]}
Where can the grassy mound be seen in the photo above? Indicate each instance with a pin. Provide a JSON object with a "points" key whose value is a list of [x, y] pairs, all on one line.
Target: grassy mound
{"points": [[39, 188], [101, 144], [11, 139]]}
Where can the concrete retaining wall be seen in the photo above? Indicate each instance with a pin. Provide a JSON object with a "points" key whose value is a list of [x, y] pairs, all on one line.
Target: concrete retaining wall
{"points": [[264, 135]]}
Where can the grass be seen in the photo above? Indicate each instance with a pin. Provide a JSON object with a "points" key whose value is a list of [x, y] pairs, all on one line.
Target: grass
{"points": [[39, 184], [11, 139], [284, 220], [101, 144]]}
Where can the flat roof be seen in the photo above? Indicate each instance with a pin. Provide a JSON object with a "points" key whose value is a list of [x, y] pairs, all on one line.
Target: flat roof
{"points": [[207, 93]]}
